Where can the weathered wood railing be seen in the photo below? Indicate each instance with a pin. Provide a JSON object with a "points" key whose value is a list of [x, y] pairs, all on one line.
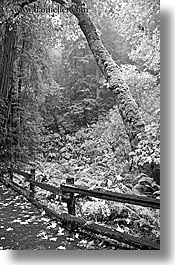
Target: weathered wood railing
{"points": [[67, 192]]}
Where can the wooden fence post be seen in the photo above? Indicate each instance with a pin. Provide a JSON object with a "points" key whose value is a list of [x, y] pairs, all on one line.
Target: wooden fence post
{"points": [[32, 187], [71, 200], [11, 173]]}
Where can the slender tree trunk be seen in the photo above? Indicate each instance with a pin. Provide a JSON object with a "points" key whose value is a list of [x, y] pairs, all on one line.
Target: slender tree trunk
{"points": [[84, 65], [17, 111], [126, 104], [6, 74]]}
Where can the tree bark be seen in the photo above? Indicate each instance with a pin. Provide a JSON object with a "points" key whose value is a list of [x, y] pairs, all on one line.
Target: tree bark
{"points": [[6, 74], [126, 104]]}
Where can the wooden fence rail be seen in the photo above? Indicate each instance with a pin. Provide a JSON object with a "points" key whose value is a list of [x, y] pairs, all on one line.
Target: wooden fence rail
{"points": [[113, 196], [104, 195], [68, 190]]}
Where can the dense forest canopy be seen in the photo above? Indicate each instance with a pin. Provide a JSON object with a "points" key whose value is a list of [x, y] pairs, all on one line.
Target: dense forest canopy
{"points": [[80, 88], [80, 99]]}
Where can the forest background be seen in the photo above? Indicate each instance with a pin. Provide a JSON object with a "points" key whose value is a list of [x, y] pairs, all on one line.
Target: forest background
{"points": [[62, 114]]}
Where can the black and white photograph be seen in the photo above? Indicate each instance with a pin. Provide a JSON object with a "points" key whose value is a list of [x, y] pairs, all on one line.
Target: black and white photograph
{"points": [[80, 125]]}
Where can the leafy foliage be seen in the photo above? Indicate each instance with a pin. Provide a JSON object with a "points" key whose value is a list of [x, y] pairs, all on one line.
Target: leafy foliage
{"points": [[148, 150], [68, 123]]}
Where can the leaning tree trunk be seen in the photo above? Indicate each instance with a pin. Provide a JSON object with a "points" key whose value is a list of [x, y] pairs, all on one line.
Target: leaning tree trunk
{"points": [[126, 104]]}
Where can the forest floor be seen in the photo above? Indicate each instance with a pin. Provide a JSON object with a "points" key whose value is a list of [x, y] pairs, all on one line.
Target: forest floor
{"points": [[23, 226]]}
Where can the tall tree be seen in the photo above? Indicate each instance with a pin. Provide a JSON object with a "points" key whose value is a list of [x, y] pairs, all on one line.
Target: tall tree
{"points": [[126, 104], [8, 57]]}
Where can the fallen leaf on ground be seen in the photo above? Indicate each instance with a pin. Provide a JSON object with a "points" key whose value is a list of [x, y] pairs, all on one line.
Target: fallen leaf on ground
{"points": [[53, 239], [9, 229], [61, 248]]}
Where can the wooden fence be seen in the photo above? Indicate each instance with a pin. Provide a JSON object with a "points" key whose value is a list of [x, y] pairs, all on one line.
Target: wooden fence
{"points": [[67, 192]]}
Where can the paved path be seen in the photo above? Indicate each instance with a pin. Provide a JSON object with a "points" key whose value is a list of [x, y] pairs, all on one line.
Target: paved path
{"points": [[23, 226]]}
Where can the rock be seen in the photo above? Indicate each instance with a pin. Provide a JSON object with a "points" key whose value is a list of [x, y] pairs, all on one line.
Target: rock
{"points": [[139, 188], [152, 170], [155, 186], [136, 179], [145, 180], [148, 188]]}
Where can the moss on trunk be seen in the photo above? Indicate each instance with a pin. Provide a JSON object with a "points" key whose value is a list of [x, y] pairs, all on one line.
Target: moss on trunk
{"points": [[126, 104]]}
